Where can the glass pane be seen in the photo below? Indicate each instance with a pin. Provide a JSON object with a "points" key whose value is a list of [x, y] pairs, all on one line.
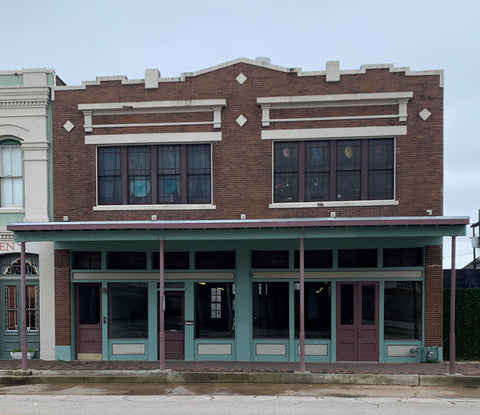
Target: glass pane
{"points": [[346, 304], [286, 187], [87, 260], [322, 258], [357, 258], [110, 190], [128, 316], [173, 260], [11, 307], [109, 161], [174, 312], [17, 190], [380, 184], [215, 260], [380, 154], [127, 260], [270, 259], [199, 188], [139, 180], [403, 257], [317, 310], [368, 305], [348, 155], [403, 310], [109, 176], [88, 304], [17, 161], [199, 159], [6, 161], [270, 310], [214, 310], [317, 186], [348, 185], [286, 157], [7, 192]]}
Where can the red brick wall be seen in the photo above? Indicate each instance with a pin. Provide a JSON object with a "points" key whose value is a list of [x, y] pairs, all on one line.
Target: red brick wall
{"points": [[242, 162], [62, 298], [433, 296]]}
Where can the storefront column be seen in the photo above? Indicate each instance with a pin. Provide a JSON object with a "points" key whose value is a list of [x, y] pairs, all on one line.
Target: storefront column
{"points": [[161, 320], [23, 299], [453, 285], [302, 305]]}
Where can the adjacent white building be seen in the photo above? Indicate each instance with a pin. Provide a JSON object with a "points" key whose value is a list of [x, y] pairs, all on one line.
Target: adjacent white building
{"points": [[25, 170]]}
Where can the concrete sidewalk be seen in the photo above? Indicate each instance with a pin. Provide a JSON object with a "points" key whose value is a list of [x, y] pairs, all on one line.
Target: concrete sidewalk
{"points": [[420, 374]]}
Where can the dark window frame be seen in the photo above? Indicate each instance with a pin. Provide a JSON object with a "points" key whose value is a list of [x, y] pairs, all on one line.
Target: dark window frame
{"points": [[118, 175], [370, 174]]}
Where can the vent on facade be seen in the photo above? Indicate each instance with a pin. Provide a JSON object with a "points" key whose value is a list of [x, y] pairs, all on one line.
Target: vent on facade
{"points": [[263, 59]]}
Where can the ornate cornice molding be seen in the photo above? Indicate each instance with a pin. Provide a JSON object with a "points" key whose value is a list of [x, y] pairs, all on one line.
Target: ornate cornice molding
{"points": [[21, 98]]}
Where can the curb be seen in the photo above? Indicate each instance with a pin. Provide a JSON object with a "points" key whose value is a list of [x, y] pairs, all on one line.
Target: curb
{"points": [[19, 377]]}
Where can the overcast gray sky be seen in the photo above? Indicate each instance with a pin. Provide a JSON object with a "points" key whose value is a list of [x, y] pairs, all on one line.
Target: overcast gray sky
{"points": [[89, 38]]}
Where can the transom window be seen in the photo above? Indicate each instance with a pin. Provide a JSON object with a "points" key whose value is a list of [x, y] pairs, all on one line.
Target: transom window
{"points": [[163, 174], [333, 170], [11, 175]]}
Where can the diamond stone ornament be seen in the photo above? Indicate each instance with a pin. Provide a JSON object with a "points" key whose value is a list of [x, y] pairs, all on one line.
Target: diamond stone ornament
{"points": [[424, 114], [68, 126], [241, 78], [241, 120]]}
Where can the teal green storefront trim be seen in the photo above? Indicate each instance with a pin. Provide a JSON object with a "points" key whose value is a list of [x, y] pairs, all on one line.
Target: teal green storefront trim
{"points": [[244, 347]]}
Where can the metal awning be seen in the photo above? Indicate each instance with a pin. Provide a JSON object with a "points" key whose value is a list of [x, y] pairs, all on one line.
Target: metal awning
{"points": [[423, 226]]}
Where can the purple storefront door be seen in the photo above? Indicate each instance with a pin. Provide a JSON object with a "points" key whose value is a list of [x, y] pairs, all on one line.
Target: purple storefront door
{"points": [[88, 321], [174, 326], [357, 321]]}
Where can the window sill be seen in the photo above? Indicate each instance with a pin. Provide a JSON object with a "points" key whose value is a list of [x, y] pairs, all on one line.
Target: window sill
{"points": [[346, 203], [12, 209], [154, 207]]}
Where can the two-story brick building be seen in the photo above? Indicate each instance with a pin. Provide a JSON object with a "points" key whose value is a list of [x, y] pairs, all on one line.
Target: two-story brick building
{"points": [[249, 212]]}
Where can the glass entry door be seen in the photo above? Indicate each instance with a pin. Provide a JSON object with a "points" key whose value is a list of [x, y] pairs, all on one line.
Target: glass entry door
{"points": [[357, 321]]}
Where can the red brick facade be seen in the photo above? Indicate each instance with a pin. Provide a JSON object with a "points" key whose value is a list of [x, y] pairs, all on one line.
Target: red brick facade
{"points": [[62, 298], [242, 161]]}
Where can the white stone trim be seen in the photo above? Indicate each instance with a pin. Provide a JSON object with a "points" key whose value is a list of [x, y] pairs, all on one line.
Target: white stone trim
{"points": [[153, 138], [100, 208], [158, 107], [223, 349], [332, 133], [273, 349], [125, 349], [345, 203], [334, 100], [402, 350], [314, 350]]}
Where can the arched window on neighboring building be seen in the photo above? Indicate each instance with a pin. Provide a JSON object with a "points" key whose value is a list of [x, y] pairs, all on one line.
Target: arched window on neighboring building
{"points": [[11, 174]]}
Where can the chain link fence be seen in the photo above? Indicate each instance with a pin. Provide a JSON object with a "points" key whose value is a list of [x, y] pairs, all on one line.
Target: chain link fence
{"points": [[467, 324]]}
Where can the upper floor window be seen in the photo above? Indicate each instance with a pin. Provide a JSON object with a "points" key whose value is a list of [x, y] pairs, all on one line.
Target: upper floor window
{"points": [[334, 170], [11, 175], [163, 174]]}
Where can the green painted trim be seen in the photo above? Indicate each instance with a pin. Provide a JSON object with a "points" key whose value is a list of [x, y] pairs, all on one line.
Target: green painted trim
{"points": [[152, 343], [189, 301], [11, 80], [324, 359], [244, 234], [271, 358], [64, 353], [111, 356], [104, 300]]}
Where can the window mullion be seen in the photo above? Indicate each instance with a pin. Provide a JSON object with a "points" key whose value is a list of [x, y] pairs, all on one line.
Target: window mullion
{"points": [[154, 173], [301, 171], [364, 173], [333, 170], [124, 170], [183, 173]]}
